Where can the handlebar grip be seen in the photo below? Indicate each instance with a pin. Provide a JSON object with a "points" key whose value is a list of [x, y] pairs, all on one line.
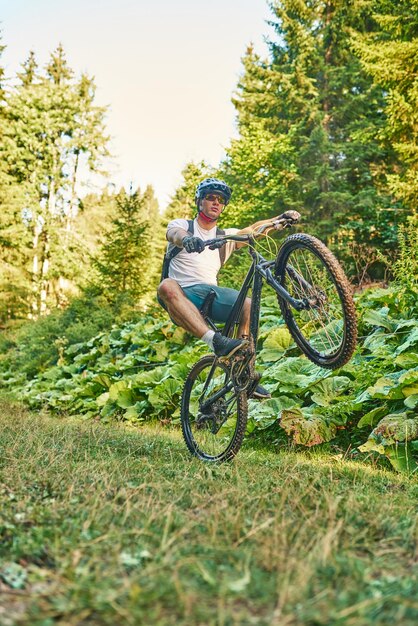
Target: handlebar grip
{"points": [[211, 242], [216, 245], [293, 216], [221, 241]]}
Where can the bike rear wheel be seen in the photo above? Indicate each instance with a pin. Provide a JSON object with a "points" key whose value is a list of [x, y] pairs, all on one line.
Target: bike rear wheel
{"points": [[213, 413], [326, 329]]}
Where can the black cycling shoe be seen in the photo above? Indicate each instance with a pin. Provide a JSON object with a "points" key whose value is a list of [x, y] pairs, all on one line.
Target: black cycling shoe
{"points": [[225, 347], [260, 393]]}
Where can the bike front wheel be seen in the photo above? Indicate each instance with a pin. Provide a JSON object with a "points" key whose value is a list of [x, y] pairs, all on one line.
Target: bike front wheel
{"points": [[325, 329], [213, 412]]}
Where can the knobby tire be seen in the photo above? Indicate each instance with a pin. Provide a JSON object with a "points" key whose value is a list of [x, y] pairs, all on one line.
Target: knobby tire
{"points": [[304, 246], [227, 445]]}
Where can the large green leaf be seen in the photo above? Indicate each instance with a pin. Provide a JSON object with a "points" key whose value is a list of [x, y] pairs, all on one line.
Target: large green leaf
{"points": [[108, 410], [121, 393], [411, 340], [293, 374], [116, 388], [377, 342], [407, 359], [275, 345], [328, 389], [165, 395], [125, 398], [411, 401], [409, 377], [306, 428], [387, 387], [398, 427], [401, 457], [279, 339], [151, 377], [161, 350], [135, 413], [379, 318], [268, 412], [392, 429], [372, 417], [102, 399]]}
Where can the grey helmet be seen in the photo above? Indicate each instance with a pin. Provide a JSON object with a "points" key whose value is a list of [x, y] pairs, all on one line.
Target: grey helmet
{"points": [[212, 185]]}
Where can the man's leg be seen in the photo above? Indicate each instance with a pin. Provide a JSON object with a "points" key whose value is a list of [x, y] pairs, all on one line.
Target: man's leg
{"points": [[181, 310], [226, 298], [185, 314], [244, 323], [222, 307]]}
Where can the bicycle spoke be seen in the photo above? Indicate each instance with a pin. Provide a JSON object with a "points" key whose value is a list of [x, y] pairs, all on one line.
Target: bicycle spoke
{"points": [[213, 414], [308, 279]]}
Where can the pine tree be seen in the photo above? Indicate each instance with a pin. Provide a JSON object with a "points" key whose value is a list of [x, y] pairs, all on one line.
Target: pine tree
{"points": [[2, 48], [29, 70], [57, 69], [309, 119], [260, 164], [157, 243], [389, 53], [13, 233], [50, 124], [126, 263]]}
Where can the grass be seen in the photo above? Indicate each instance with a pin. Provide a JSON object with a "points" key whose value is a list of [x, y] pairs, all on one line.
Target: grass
{"points": [[106, 525]]}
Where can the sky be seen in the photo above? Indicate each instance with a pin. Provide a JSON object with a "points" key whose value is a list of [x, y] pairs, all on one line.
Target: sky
{"points": [[167, 69]]}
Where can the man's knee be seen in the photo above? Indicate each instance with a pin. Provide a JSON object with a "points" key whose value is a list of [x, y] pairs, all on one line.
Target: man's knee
{"points": [[168, 289]]}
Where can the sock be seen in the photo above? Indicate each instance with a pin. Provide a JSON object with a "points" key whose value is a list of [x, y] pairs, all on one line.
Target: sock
{"points": [[208, 338]]}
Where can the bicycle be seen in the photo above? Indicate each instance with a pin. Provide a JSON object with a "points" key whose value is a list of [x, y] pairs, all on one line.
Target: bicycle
{"points": [[317, 307]]}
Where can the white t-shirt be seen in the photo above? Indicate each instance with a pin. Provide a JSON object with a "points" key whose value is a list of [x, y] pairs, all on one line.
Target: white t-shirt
{"points": [[192, 268]]}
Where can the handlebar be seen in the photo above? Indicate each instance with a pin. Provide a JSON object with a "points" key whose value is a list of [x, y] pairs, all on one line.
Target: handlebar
{"points": [[285, 220]]}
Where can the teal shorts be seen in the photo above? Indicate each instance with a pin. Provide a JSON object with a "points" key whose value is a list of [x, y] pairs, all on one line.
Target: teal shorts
{"points": [[222, 305]]}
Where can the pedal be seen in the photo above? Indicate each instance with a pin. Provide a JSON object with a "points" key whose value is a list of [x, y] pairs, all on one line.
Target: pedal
{"points": [[254, 384], [239, 355]]}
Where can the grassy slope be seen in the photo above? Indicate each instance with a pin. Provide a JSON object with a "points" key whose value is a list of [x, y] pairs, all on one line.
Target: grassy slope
{"points": [[111, 526]]}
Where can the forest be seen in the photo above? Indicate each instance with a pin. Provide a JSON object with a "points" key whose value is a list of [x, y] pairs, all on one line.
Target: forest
{"points": [[106, 519], [327, 125]]}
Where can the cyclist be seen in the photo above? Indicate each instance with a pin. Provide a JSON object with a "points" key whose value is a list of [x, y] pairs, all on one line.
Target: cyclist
{"points": [[192, 273]]}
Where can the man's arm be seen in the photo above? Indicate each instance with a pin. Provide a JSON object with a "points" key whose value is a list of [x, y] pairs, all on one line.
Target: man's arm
{"points": [[176, 235], [182, 239], [250, 230]]}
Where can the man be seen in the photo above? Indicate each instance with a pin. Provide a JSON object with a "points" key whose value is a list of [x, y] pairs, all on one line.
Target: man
{"points": [[193, 273]]}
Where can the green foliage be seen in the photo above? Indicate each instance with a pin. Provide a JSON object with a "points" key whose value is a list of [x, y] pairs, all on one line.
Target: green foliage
{"points": [[405, 267], [135, 373], [52, 131], [27, 349], [127, 262], [317, 127], [326, 126], [2, 47], [388, 53]]}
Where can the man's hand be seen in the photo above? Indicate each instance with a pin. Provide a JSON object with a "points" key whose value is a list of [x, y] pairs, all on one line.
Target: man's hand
{"points": [[193, 244]]}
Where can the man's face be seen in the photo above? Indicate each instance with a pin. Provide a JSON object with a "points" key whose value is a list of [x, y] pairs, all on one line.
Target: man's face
{"points": [[212, 205]]}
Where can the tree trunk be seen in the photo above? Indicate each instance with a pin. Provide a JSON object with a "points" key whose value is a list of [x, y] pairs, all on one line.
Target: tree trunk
{"points": [[44, 283], [34, 309], [324, 182], [71, 210]]}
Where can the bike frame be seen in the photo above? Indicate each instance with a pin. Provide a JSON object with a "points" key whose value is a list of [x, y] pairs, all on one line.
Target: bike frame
{"points": [[260, 270]]}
